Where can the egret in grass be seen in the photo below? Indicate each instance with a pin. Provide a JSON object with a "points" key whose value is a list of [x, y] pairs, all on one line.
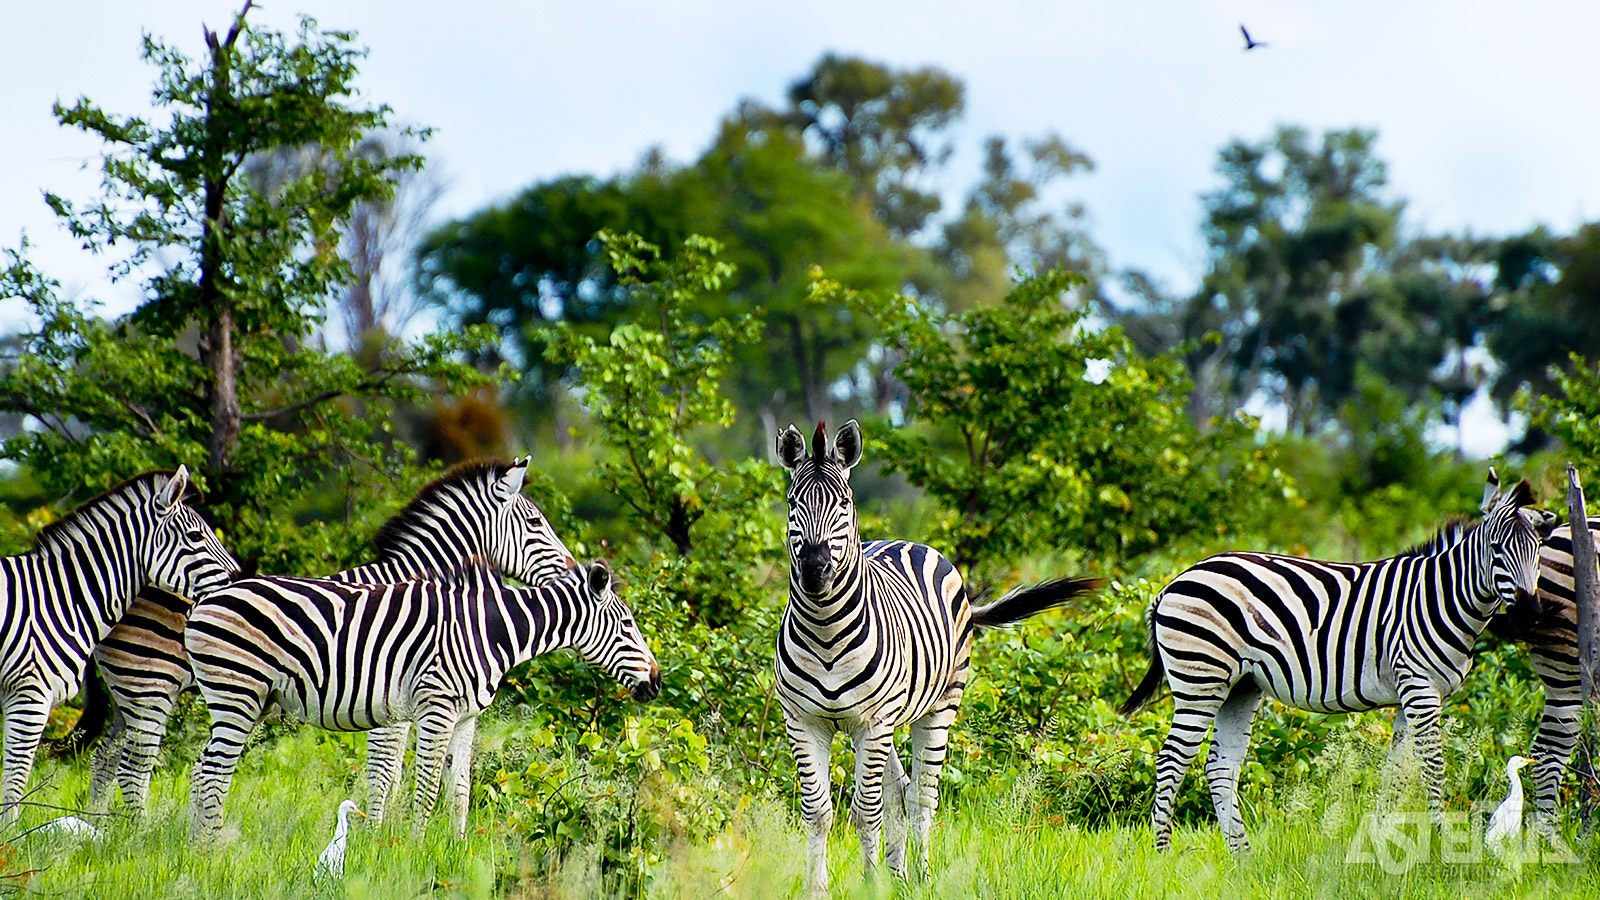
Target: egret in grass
{"points": [[1505, 826], [331, 863], [71, 825]]}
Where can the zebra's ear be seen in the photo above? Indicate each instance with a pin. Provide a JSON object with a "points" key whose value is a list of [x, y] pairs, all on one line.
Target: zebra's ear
{"points": [[1491, 491], [791, 447], [599, 577], [847, 444], [1546, 523], [509, 485], [171, 493]]}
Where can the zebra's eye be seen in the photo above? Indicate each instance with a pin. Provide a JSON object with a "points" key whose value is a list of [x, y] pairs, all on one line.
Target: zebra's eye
{"points": [[195, 534]]}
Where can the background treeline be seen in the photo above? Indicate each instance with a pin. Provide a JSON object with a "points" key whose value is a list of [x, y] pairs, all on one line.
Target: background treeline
{"points": [[317, 353]]}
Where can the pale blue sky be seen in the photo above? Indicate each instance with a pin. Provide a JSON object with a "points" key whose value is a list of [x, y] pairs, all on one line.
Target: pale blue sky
{"points": [[1486, 111]]}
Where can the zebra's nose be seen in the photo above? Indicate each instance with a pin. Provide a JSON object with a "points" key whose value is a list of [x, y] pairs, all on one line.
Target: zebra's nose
{"points": [[649, 689]]}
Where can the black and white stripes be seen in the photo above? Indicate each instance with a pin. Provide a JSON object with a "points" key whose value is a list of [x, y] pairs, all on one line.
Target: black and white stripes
{"points": [[474, 510], [1552, 640], [875, 636], [1332, 637], [352, 658], [65, 595]]}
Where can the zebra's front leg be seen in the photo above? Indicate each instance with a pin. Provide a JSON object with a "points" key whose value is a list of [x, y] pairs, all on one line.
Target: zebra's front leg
{"points": [[386, 753], [460, 764], [25, 718], [896, 815], [874, 745], [1420, 701], [434, 732], [929, 739], [813, 744]]}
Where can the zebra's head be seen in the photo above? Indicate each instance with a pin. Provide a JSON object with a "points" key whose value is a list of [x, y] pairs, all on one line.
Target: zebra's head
{"points": [[185, 555], [1513, 535], [521, 541], [822, 508], [607, 636]]}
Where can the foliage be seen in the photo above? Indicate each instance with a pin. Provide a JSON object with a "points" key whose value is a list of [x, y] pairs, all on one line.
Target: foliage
{"points": [[1027, 450], [1573, 414], [649, 387], [230, 208]]}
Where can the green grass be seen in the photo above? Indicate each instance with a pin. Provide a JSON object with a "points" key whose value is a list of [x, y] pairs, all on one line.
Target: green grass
{"points": [[999, 844]]}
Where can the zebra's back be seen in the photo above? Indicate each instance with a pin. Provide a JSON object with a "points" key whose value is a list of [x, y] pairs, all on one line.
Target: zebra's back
{"points": [[1311, 633], [343, 657]]}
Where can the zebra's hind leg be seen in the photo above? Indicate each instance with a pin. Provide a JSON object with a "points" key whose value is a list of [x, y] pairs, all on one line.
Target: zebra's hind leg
{"points": [[1230, 743], [25, 717], [929, 743], [813, 743], [874, 746], [386, 751], [139, 762], [896, 814], [434, 732], [1191, 718], [460, 765], [146, 724], [105, 763], [234, 715]]}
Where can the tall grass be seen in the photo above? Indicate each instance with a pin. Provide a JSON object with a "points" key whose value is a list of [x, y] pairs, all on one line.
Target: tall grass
{"points": [[1000, 844]]}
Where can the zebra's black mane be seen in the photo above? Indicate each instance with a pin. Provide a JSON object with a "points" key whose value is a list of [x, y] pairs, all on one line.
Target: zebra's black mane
{"points": [[475, 568], [391, 535], [69, 523], [1451, 533]]}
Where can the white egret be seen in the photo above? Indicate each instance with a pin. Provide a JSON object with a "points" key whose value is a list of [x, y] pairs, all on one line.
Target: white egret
{"points": [[71, 825], [1505, 826], [331, 863]]}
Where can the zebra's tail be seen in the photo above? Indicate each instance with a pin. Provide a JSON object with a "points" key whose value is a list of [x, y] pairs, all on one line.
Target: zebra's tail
{"points": [[92, 721], [1021, 604], [1152, 679]]}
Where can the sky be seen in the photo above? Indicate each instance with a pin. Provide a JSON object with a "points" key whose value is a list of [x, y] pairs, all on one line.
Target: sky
{"points": [[1485, 110]]}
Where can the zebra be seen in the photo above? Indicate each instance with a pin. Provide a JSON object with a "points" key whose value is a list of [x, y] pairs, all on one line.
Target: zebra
{"points": [[64, 596], [875, 636], [1329, 637], [354, 657], [1552, 639], [475, 508]]}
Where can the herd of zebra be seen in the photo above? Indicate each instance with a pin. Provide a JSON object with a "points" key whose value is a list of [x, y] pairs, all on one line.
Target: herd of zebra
{"points": [[875, 637]]}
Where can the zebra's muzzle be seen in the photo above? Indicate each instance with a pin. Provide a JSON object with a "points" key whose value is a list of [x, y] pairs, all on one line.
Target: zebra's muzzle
{"points": [[650, 688], [815, 564]]}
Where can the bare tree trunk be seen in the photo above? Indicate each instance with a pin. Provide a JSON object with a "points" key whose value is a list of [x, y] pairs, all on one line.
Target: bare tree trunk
{"points": [[1586, 594], [217, 350]]}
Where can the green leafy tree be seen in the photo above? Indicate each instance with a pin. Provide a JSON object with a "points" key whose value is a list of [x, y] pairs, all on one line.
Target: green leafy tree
{"points": [[1035, 432], [1298, 228], [650, 386], [1551, 302], [1007, 223], [218, 363]]}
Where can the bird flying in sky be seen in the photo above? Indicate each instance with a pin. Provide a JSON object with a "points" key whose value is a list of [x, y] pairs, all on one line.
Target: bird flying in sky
{"points": [[1249, 42]]}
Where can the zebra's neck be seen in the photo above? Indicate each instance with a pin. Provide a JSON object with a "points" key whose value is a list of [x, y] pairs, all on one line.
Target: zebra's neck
{"points": [[390, 571], [435, 534], [97, 559], [527, 622], [1460, 580]]}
